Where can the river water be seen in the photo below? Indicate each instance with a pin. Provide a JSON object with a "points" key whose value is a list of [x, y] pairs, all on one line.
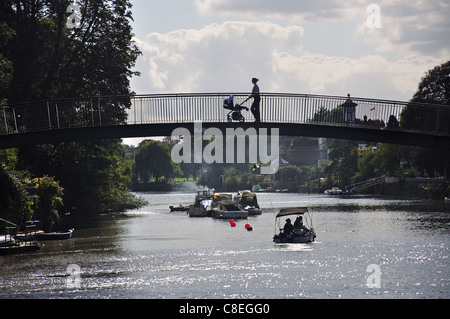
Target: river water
{"points": [[401, 246]]}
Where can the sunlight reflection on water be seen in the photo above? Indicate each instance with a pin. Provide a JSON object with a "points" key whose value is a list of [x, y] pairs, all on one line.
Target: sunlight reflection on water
{"points": [[153, 254]]}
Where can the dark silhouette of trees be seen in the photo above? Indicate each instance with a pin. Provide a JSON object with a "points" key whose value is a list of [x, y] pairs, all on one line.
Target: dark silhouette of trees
{"points": [[46, 58], [434, 88]]}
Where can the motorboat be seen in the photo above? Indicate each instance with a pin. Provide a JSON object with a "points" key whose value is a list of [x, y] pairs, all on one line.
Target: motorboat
{"points": [[301, 231], [198, 210], [334, 191], [179, 208], [228, 209], [247, 201], [202, 201], [59, 235]]}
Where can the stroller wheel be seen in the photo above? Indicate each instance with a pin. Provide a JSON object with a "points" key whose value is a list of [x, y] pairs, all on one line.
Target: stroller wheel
{"points": [[229, 118], [242, 119]]}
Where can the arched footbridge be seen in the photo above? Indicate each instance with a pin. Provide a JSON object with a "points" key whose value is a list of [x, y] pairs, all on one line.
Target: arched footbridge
{"points": [[104, 117]]}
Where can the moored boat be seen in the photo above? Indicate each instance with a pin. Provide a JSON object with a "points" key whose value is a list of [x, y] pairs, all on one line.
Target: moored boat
{"points": [[202, 201], [247, 201], [61, 235], [179, 208], [228, 209], [333, 191]]}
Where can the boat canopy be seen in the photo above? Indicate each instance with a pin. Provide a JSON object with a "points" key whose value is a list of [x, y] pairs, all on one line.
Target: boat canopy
{"points": [[292, 211], [249, 194]]}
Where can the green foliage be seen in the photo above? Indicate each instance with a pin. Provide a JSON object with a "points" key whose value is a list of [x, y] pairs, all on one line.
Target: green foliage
{"points": [[153, 160], [291, 172], [40, 59], [323, 115], [13, 195], [434, 88], [344, 157], [386, 160], [95, 175], [95, 59], [49, 201]]}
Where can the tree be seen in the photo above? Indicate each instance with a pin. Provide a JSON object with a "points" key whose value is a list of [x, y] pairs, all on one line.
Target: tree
{"points": [[323, 115], [6, 66], [93, 59], [294, 173], [13, 196], [49, 201], [386, 160], [434, 88], [52, 60], [344, 157], [153, 159]]}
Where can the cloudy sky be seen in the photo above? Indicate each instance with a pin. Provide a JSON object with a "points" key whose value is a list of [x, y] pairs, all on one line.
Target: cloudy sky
{"points": [[292, 46], [296, 46]]}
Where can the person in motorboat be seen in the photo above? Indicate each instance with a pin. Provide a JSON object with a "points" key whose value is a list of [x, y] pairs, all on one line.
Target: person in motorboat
{"points": [[288, 227], [298, 222], [298, 225], [301, 232]]}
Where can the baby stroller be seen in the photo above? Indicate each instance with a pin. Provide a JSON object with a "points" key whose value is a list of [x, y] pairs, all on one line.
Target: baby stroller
{"points": [[235, 110]]}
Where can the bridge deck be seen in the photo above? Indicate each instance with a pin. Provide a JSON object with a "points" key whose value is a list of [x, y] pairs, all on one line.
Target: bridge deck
{"points": [[296, 114]]}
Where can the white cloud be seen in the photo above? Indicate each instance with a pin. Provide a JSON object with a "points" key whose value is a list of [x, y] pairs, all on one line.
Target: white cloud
{"points": [[224, 57], [299, 10], [414, 25], [218, 57], [368, 76]]}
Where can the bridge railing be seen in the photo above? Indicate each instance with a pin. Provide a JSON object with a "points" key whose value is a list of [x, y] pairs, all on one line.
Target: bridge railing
{"points": [[187, 108]]}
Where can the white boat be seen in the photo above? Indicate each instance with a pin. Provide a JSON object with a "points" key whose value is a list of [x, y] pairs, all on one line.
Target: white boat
{"points": [[228, 209], [301, 231], [333, 191], [7, 240], [60, 235], [247, 201]]}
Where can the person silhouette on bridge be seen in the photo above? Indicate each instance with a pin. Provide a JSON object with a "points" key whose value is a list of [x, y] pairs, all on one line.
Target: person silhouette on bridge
{"points": [[256, 100]]}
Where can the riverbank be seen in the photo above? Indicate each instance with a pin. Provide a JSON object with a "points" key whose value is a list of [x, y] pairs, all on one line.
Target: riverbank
{"points": [[416, 188]]}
